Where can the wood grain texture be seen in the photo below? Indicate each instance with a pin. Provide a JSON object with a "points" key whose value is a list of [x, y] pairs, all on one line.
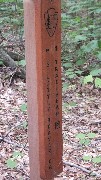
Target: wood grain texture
{"points": [[43, 55], [31, 71]]}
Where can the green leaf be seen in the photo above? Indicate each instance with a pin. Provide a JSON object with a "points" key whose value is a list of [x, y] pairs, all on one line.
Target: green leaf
{"points": [[69, 73], [78, 19], [1, 62], [78, 72], [98, 10], [23, 107], [73, 104], [80, 62], [98, 83], [22, 63], [82, 141], [99, 56], [87, 158], [71, 69], [16, 154], [81, 136], [11, 163], [87, 142], [65, 105], [95, 72], [96, 159], [65, 87], [92, 45], [88, 79], [71, 76], [67, 65], [25, 124], [99, 44], [91, 135], [80, 38]]}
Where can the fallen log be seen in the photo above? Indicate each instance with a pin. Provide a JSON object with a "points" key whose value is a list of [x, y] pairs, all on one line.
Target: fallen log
{"points": [[9, 62]]}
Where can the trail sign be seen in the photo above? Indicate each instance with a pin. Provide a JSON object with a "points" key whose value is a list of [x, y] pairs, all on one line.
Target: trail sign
{"points": [[43, 56]]}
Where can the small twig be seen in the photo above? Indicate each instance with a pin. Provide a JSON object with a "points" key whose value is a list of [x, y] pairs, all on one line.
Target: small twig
{"points": [[12, 77], [2, 139], [95, 122], [18, 124], [22, 171], [92, 173]]}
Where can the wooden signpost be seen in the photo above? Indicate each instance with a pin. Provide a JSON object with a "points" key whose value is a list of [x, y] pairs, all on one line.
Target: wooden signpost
{"points": [[43, 56]]}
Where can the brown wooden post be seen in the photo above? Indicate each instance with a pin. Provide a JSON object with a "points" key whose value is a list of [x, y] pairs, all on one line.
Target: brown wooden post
{"points": [[43, 56]]}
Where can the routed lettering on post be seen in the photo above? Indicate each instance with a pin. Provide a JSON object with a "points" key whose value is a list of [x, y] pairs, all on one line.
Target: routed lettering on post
{"points": [[51, 65], [47, 57]]}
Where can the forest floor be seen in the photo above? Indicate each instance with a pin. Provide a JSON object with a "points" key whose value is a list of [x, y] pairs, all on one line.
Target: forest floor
{"points": [[81, 114]]}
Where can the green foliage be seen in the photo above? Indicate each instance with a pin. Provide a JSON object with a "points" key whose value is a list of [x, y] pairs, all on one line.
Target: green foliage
{"points": [[69, 105], [21, 63], [99, 56], [17, 154], [95, 160], [88, 78], [23, 107], [91, 79], [65, 87], [81, 47], [12, 19], [87, 158], [85, 139], [12, 162], [25, 124], [1, 62], [96, 72], [72, 104], [98, 82], [81, 136], [91, 135]]}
